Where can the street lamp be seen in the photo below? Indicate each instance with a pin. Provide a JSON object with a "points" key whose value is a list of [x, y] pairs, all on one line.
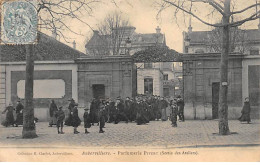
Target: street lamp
{"points": [[128, 45]]}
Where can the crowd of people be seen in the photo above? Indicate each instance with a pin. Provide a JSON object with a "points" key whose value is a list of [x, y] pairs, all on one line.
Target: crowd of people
{"points": [[141, 109]]}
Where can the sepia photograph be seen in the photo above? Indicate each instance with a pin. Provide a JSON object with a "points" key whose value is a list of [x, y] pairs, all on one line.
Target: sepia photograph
{"points": [[129, 81]]}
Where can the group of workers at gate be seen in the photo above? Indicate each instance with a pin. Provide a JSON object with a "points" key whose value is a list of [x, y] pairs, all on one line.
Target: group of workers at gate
{"points": [[141, 109]]}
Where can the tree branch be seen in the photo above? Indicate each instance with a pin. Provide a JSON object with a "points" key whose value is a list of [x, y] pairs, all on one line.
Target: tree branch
{"points": [[245, 9], [188, 12]]}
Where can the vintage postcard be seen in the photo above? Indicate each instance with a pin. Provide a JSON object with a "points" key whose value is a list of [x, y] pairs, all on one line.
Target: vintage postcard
{"points": [[130, 81]]}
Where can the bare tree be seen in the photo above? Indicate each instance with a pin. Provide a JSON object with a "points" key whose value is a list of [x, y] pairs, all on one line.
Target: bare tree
{"points": [[113, 31], [237, 40], [226, 9], [52, 16]]}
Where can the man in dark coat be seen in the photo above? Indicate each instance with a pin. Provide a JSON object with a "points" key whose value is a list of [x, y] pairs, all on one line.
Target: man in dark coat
{"points": [[87, 120], [140, 112], [19, 113], [146, 107], [162, 106], [174, 113], [112, 112], [245, 112], [156, 108], [60, 115], [127, 108], [94, 108], [180, 105], [121, 111], [52, 110], [75, 119], [132, 111]]}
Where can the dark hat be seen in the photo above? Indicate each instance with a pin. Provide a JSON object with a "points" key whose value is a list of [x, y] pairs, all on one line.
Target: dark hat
{"points": [[118, 98], [86, 109], [178, 96], [71, 99]]}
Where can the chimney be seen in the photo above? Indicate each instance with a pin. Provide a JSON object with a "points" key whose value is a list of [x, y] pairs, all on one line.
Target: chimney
{"points": [[74, 44], [158, 30]]}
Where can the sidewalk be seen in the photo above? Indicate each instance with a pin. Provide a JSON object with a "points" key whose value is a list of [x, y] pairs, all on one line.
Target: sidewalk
{"points": [[156, 134]]}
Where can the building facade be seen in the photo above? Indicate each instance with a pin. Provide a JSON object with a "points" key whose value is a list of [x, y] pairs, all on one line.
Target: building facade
{"points": [[202, 76], [62, 73], [152, 78]]}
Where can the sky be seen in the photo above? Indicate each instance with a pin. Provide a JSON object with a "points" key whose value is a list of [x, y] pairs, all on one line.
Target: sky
{"points": [[142, 14]]}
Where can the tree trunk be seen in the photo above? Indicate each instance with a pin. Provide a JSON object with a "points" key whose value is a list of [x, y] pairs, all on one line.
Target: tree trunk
{"points": [[28, 113], [223, 107]]}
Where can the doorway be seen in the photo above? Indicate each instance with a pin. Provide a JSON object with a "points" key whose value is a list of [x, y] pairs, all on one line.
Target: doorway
{"points": [[215, 99], [98, 91]]}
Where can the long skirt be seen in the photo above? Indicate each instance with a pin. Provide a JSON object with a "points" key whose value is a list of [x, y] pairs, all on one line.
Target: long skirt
{"points": [[245, 117], [75, 121], [19, 119], [87, 123], [9, 120], [164, 116], [68, 121]]}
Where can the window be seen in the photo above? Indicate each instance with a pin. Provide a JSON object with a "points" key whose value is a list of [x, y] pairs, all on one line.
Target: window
{"points": [[180, 63], [254, 51], [148, 65], [165, 77], [148, 86]]}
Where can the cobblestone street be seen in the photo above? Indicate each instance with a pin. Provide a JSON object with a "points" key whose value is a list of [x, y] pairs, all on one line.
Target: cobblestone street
{"points": [[156, 134]]}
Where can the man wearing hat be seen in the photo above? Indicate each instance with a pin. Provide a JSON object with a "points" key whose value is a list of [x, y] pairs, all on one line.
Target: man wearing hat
{"points": [[52, 110], [87, 120], [60, 115]]}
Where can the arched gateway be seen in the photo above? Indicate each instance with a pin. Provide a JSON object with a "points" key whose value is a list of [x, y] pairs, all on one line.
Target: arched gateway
{"points": [[199, 77]]}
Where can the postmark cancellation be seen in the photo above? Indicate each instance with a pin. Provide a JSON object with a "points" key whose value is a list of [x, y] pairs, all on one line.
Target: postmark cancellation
{"points": [[19, 22]]}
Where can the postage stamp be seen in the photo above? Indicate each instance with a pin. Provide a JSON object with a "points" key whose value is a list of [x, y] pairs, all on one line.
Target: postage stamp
{"points": [[19, 22]]}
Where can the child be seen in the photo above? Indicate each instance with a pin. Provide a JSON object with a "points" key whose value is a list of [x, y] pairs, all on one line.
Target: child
{"points": [[87, 120], [60, 115]]}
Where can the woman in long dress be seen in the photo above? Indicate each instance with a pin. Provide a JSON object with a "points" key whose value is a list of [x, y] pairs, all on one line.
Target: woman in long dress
{"points": [[245, 112], [19, 113], [9, 120], [68, 120], [75, 119]]}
